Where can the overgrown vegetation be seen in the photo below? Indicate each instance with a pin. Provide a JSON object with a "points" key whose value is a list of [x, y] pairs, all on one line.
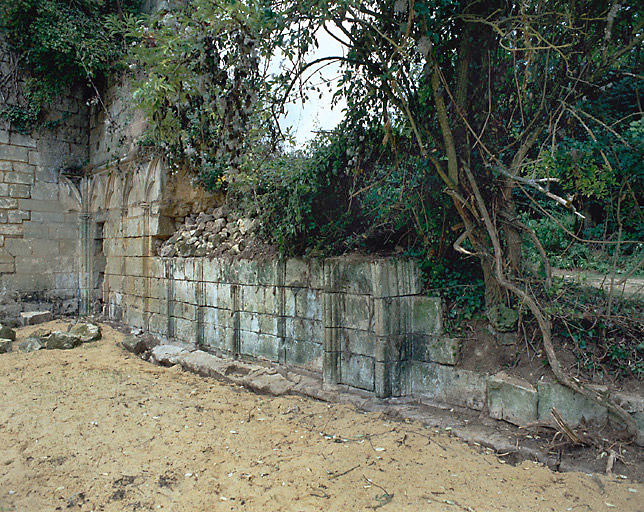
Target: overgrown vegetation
{"points": [[56, 45], [490, 140]]}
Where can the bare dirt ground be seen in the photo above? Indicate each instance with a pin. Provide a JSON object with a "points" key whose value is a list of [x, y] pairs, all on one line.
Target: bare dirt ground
{"points": [[95, 428]]}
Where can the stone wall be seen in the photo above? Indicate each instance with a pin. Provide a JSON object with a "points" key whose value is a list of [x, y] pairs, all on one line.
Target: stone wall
{"points": [[39, 205]]}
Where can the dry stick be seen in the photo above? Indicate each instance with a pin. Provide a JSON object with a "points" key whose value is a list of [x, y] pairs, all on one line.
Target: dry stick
{"points": [[543, 320]]}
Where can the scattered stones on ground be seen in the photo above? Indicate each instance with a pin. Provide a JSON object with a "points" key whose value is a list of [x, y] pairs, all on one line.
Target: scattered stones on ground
{"points": [[134, 344], [5, 345], [216, 232], [86, 332], [34, 317], [31, 344], [7, 333], [62, 340]]}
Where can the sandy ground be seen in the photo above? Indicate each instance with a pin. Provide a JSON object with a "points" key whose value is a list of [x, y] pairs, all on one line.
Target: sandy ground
{"points": [[95, 428]]}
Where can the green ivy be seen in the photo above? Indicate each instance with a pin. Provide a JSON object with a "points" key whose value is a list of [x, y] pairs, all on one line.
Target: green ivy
{"points": [[59, 44]]}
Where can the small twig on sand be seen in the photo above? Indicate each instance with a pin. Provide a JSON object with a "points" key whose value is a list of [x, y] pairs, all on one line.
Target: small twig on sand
{"points": [[385, 498], [337, 475]]}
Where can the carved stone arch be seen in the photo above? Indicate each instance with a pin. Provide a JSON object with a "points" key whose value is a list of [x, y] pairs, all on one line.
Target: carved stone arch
{"points": [[113, 192], [154, 180], [68, 195], [98, 194]]}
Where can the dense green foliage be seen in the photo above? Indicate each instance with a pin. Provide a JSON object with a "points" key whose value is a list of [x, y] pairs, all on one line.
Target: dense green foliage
{"points": [[59, 44]]}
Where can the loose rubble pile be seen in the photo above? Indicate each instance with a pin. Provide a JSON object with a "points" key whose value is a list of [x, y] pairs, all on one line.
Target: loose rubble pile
{"points": [[216, 232], [76, 335]]}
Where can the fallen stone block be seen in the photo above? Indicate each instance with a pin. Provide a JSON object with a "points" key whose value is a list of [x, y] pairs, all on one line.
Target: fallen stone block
{"points": [[7, 333], [5, 345], [134, 344], [31, 344], [86, 332], [34, 317], [62, 341], [511, 399], [168, 355], [572, 406]]}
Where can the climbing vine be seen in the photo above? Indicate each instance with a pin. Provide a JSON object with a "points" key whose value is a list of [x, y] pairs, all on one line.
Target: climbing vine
{"points": [[55, 45]]}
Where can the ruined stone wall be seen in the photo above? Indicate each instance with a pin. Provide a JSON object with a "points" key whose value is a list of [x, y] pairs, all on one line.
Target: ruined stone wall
{"points": [[39, 205]]}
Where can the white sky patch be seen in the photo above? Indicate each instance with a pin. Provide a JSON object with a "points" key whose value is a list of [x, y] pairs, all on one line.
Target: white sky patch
{"points": [[317, 113]]}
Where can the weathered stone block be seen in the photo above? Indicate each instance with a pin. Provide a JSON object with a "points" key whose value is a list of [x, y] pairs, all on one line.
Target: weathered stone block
{"points": [[426, 315], [31, 344], [572, 406], [435, 349], [86, 332], [34, 317], [358, 371], [7, 333], [62, 341], [511, 399], [304, 354], [261, 345], [14, 153], [5, 345], [449, 385]]}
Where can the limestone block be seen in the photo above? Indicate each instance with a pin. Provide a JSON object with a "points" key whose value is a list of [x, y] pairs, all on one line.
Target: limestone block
{"points": [[7, 333], [219, 295], [35, 230], [31, 344], [184, 291], [511, 399], [14, 153], [18, 139], [447, 384], [297, 273], [308, 304], [20, 191], [63, 231], [357, 342], [357, 371], [158, 324], [572, 406], [289, 300], [391, 316], [392, 277], [39, 205], [34, 317], [86, 331], [8, 203], [353, 277], [358, 312], [18, 216], [18, 177], [155, 267], [66, 280], [62, 341], [185, 311], [258, 299], [212, 271], [426, 315], [135, 247], [304, 354], [249, 321], [304, 329], [261, 346], [4, 137], [135, 317], [436, 349], [5, 345], [133, 266]]}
